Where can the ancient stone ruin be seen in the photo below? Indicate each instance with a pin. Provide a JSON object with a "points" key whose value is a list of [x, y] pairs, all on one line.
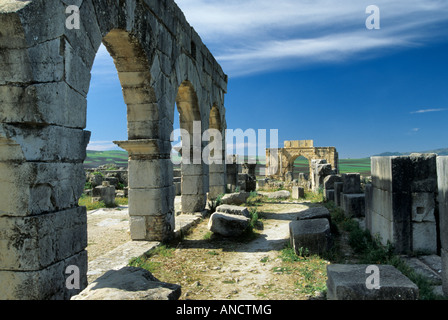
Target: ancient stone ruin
{"points": [[44, 80], [282, 159]]}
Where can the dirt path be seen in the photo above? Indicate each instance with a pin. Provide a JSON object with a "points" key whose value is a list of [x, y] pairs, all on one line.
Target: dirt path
{"points": [[247, 271], [220, 269]]}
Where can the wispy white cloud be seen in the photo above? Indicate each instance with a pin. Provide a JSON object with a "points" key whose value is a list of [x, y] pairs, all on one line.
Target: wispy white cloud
{"points": [[257, 35], [427, 110]]}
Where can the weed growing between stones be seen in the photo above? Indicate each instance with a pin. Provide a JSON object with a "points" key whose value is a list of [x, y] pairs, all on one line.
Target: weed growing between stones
{"points": [[368, 249]]}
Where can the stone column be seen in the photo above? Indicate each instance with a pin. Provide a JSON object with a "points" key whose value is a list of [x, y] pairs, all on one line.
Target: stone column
{"points": [[217, 185], [151, 189], [42, 229], [193, 197], [217, 175]]}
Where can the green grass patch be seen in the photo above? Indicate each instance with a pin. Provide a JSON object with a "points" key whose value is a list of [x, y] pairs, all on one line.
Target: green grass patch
{"points": [[86, 201], [368, 249], [310, 271]]}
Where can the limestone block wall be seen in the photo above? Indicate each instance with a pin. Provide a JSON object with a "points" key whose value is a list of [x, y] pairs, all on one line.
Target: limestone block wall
{"points": [[401, 202], [44, 81]]}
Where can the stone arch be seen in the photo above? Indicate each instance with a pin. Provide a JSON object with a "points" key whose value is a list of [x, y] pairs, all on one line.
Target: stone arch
{"points": [[293, 149], [45, 69], [217, 170], [193, 186], [133, 68]]}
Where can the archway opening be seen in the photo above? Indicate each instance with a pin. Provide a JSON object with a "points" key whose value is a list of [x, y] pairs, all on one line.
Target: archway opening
{"points": [[106, 165], [193, 184], [301, 167]]}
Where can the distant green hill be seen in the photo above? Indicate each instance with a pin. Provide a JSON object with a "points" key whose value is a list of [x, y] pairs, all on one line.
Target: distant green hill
{"points": [[98, 158], [440, 152]]}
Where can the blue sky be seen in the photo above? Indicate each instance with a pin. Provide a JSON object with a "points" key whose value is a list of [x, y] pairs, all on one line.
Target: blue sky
{"points": [[312, 70]]}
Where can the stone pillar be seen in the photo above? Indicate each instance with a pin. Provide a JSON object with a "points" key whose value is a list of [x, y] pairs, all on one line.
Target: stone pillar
{"points": [[193, 197], [42, 229], [151, 189], [217, 174], [442, 179], [402, 202]]}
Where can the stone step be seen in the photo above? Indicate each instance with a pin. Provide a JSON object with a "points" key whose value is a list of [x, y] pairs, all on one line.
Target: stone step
{"points": [[357, 282]]}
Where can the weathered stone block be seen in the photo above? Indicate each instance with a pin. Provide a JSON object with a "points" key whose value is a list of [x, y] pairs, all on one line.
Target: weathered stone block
{"points": [[352, 183], [444, 255], [354, 205], [228, 225], [217, 179], [235, 198], [36, 242], [137, 227], [48, 103], [281, 194], [129, 283], [34, 187], [311, 234], [231, 209], [193, 185], [314, 213], [329, 194], [44, 284], [105, 193], [50, 143], [150, 173], [442, 177], [348, 282], [192, 203], [330, 180], [298, 192], [143, 202]]}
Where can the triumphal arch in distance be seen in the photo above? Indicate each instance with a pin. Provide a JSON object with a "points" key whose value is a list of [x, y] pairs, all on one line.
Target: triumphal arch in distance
{"points": [[281, 160]]}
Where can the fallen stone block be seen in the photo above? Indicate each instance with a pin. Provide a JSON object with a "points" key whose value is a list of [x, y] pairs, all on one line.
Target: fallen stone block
{"points": [[281, 194], [330, 180], [329, 194], [236, 198], [231, 209], [105, 193], [298, 192], [129, 283], [314, 213], [350, 282], [354, 204], [312, 235], [228, 225], [422, 269]]}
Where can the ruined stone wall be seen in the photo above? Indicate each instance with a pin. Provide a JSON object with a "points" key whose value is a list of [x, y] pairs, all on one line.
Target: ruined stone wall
{"points": [[284, 157], [401, 202], [44, 81]]}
